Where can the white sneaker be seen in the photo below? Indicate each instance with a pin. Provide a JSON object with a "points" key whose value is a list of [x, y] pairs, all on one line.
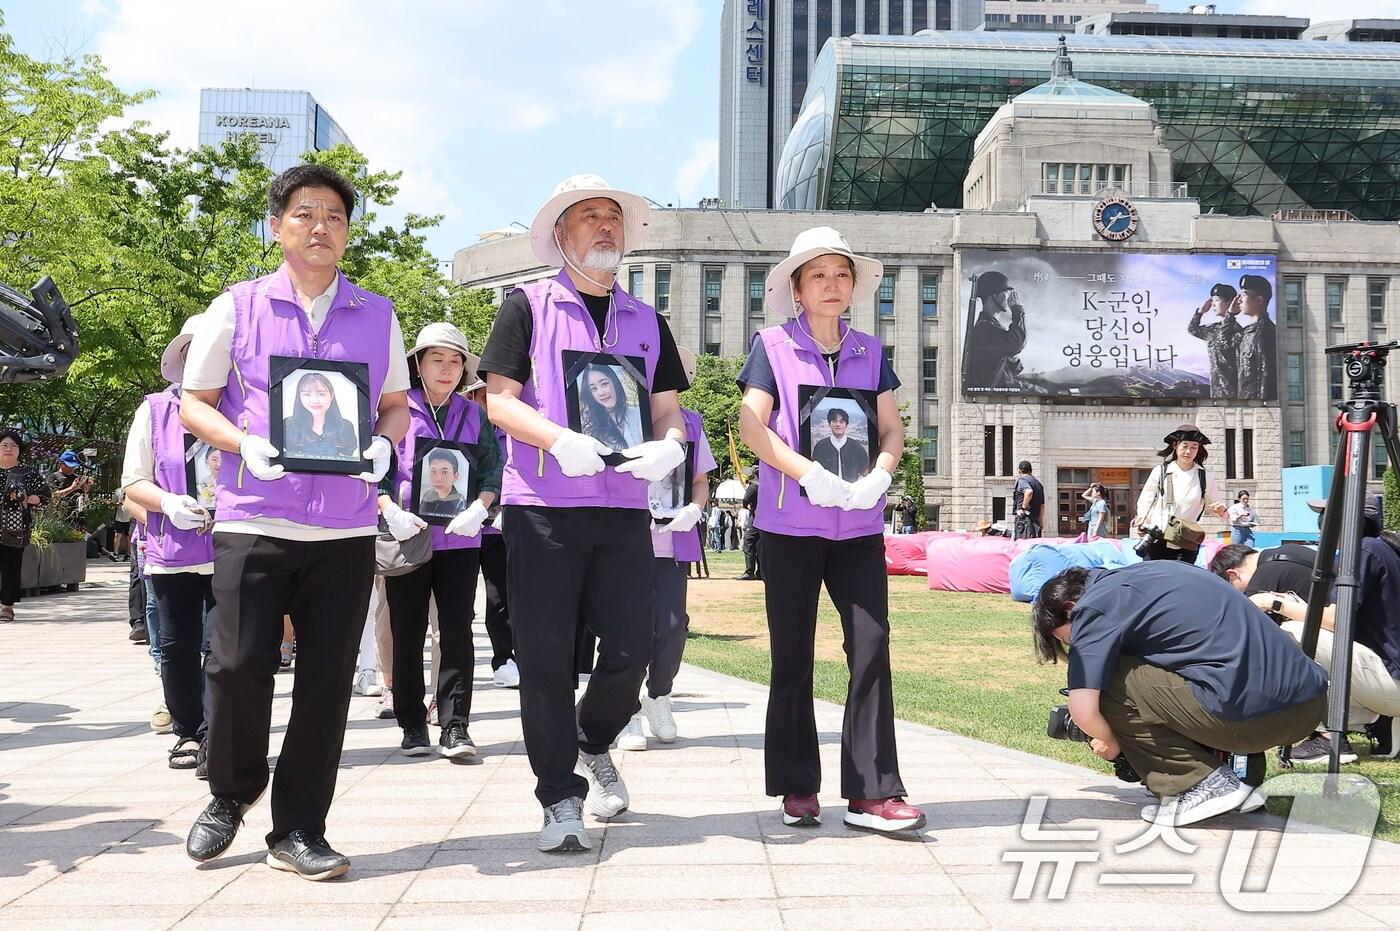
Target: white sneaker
{"points": [[1218, 793], [659, 717], [384, 711], [632, 737], [507, 677], [607, 796], [367, 683]]}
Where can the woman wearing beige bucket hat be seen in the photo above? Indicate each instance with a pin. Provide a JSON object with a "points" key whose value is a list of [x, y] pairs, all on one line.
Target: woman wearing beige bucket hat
{"points": [[568, 516], [819, 527], [448, 453]]}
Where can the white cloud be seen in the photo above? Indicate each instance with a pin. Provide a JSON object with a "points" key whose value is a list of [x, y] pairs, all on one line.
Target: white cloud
{"points": [[698, 176], [422, 87]]}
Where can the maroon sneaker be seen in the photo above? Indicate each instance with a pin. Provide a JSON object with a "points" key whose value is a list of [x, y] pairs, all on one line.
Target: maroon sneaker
{"points": [[803, 811], [886, 815]]}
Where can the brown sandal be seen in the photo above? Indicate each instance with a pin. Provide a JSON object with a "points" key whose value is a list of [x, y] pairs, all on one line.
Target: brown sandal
{"points": [[185, 754], [7, 613]]}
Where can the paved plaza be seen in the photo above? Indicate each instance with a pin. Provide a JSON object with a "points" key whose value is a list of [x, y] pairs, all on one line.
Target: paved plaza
{"points": [[92, 824]]}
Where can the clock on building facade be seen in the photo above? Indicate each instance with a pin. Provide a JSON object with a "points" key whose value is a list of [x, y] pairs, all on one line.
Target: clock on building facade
{"points": [[1115, 218]]}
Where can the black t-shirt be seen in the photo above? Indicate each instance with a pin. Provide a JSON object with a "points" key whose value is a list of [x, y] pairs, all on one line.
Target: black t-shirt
{"points": [[1286, 568], [507, 351], [1240, 664], [1037, 495], [758, 372], [1378, 613]]}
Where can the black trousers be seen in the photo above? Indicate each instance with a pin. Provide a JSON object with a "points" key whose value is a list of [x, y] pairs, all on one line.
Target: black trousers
{"points": [[672, 625], [794, 569], [324, 586], [11, 560], [567, 564], [136, 595], [450, 577], [752, 558], [1158, 549], [493, 574], [182, 600]]}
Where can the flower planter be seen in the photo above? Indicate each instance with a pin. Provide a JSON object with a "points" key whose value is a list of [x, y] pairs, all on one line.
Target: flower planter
{"points": [[59, 565]]}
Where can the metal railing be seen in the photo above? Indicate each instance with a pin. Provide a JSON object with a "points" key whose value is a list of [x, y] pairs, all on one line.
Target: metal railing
{"points": [[1100, 189]]}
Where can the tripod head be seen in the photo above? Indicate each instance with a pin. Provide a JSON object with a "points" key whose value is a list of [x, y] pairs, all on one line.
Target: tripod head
{"points": [[1364, 365], [38, 336]]}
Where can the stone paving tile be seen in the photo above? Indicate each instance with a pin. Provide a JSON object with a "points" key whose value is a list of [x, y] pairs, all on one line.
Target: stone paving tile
{"points": [[92, 825]]}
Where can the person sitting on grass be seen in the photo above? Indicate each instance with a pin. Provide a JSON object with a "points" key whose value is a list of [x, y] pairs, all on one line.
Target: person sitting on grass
{"points": [[1169, 665]]}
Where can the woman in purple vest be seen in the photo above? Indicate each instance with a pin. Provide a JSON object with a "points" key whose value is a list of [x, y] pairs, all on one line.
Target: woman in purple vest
{"points": [[816, 528], [179, 550], [439, 365], [675, 545], [571, 518]]}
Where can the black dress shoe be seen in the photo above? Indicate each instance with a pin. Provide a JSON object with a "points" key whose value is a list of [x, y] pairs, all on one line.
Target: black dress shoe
{"points": [[215, 828], [309, 857]]}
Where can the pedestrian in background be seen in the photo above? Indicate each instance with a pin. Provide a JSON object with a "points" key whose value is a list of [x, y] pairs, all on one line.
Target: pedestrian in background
{"points": [[1243, 520]]}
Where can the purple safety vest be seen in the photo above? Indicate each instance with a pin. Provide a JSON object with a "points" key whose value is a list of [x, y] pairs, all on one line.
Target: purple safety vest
{"points": [[686, 546], [461, 425], [561, 321], [796, 361], [167, 546], [269, 321]]}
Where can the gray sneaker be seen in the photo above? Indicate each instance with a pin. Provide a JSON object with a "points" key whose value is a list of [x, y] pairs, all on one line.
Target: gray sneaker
{"points": [[1218, 793], [607, 796], [563, 828], [1317, 751]]}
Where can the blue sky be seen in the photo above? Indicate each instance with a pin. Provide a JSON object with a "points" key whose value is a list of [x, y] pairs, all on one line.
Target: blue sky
{"points": [[484, 104]]}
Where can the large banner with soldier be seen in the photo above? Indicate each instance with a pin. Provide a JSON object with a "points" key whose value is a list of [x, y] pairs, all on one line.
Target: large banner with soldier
{"points": [[1119, 325]]}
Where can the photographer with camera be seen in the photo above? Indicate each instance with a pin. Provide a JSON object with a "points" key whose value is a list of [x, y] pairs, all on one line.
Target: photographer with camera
{"points": [[1277, 581], [69, 483], [21, 490], [1175, 497], [1167, 666]]}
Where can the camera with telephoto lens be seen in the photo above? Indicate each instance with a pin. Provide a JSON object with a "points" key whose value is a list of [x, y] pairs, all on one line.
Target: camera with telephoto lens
{"points": [[1062, 727]]}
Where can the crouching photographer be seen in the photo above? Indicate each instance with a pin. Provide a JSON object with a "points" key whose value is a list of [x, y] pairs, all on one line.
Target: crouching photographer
{"points": [[1168, 665]]}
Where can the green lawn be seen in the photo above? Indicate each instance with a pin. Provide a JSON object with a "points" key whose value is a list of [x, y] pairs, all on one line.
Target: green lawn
{"points": [[962, 662]]}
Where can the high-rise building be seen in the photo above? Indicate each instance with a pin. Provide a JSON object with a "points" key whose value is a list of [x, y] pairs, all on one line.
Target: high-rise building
{"points": [[767, 48], [287, 124]]}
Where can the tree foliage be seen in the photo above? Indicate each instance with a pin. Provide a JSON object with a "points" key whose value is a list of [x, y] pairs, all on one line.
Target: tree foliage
{"points": [[1392, 499], [140, 236], [715, 397]]}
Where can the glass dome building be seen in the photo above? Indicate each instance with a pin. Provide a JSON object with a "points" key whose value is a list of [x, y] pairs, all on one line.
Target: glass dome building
{"points": [[889, 122]]}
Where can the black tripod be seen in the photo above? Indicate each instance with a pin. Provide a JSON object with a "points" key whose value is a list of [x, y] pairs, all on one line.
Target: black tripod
{"points": [[1343, 521]]}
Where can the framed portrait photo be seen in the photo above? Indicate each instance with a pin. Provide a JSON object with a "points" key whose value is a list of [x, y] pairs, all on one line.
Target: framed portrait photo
{"points": [[608, 399], [318, 414], [838, 428], [202, 463], [445, 480], [666, 497]]}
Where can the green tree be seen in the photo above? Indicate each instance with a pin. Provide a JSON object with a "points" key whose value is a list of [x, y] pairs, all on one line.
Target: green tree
{"points": [[715, 397]]}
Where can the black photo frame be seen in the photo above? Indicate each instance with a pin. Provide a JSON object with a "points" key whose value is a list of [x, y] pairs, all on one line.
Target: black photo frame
{"points": [[427, 453], [201, 474], [627, 372], [859, 404], [666, 497], [338, 449]]}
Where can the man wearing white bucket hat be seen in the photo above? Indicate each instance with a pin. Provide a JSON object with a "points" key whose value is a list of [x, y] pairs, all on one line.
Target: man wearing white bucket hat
{"points": [[570, 519], [160, 455], [819, 528]]}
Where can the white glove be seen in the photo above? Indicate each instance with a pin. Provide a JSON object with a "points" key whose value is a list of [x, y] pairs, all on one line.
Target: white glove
{"points": [[257, 455], [867, 490], [686, 519], [499, 520], [403, 525], [184, 512], [824, 489], [653, 461], [468, 523], [578, 455], [377, 452]]}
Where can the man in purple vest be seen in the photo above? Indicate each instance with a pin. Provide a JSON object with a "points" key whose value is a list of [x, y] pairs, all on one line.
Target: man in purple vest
{"points": [[576, 529], [286, 542]]}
